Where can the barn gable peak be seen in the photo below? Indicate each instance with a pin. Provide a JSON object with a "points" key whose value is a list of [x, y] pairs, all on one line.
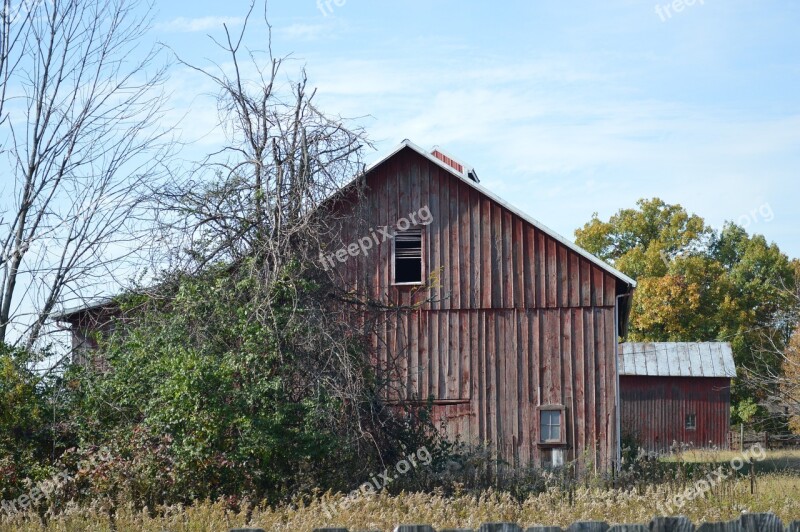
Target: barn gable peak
{"points": [[473, 182]]}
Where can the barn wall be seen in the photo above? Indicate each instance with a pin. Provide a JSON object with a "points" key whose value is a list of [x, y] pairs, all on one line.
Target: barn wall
{"points": [[654, 410], [515, 314]]}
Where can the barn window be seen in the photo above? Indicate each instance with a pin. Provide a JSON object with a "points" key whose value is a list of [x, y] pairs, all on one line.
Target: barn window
{"points": [[408, 257], [691, 421], [551, 425]]}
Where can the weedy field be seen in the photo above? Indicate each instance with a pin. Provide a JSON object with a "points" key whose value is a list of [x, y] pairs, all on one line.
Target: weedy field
{"points": [[774, 460], [774, 492]]}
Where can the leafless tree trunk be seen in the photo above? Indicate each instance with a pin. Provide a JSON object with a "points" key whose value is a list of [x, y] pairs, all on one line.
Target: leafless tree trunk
{"points": [[776, 366], [80, 145]]}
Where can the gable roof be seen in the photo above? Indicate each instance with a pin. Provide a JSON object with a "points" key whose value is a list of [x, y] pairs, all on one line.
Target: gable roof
{"points": [[463, 176], [676, 359]]}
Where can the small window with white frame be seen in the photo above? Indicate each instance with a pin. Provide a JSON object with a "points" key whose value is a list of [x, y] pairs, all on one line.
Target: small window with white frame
{"points": [[691, 421], [407, 264], [551, 425]]}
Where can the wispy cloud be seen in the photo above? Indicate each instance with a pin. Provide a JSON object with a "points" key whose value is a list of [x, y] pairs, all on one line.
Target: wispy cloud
{"points": [[304, 32], [189, 25]]}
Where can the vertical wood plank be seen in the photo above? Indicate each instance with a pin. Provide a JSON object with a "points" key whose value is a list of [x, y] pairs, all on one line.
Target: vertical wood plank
{"points": [[597, 286], [552, 274], [541, 270], [586, 283], [435, 232], [444, 249], [574, 280], [498, 271], [529, 264], [488, 273], [563, 277], [454, 243], [475, 249], [507, 260], [518, 247]]}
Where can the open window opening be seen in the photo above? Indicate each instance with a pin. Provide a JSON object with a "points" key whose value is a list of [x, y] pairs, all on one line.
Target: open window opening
{"points": [[408, 257]]}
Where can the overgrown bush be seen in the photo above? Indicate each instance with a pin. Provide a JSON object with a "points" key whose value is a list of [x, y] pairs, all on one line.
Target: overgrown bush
{"points": [[25, 431], [202, 401]]}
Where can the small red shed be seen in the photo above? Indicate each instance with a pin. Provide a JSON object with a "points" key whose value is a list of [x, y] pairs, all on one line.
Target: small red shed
{"points": [[675, 392]]}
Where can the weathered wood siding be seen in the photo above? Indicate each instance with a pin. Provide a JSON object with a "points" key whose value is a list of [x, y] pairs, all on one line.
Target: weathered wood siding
{"points": [[518, 318], [654, 410]]}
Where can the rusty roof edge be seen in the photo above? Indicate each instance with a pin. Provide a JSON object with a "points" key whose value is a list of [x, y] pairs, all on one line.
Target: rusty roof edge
{"points": [[491, 195], [71, 311]]}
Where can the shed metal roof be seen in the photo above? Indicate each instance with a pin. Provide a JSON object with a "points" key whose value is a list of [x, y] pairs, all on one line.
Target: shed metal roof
{"points": [[676, 359]]}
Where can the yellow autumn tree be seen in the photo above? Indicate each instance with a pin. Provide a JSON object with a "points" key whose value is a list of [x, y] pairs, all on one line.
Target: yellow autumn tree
{"points": [[696, 283]]}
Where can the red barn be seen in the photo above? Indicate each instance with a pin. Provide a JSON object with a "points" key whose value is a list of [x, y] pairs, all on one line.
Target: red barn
{"points": [[511, 329], [508, 328], [676, 393]]}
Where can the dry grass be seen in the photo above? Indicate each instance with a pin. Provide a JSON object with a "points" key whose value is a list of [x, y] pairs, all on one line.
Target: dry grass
{"points": [[775, 460], [774, 493]]}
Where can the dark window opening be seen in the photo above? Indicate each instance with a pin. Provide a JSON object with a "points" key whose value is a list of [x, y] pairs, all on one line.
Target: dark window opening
{"points": [[691, 421], [408, 257]]}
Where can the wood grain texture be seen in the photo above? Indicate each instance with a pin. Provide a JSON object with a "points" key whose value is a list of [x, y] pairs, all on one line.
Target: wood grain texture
{"points": [[654, 410], [514, 318]]}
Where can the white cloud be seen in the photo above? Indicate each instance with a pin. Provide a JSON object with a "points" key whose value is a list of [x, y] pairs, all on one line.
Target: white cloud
{"points": [[188, 25], [304, 32]]}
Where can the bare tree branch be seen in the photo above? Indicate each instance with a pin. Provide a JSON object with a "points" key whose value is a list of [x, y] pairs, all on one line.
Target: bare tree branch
{"points": [[85, 146]]}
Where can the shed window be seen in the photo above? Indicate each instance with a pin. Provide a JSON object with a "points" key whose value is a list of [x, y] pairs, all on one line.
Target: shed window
{"points": [[691, 421], [551, 424], [408, 257]]}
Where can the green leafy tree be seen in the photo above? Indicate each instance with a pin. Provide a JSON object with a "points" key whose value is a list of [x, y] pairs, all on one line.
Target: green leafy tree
{"points": [[698, 284], [25, 428]]}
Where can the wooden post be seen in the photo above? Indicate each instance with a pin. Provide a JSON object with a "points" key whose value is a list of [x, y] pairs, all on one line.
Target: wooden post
{"points": [[741, 437]]}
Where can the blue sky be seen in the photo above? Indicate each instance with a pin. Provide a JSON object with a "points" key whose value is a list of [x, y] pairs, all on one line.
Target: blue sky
{"points": [[563, 108]]}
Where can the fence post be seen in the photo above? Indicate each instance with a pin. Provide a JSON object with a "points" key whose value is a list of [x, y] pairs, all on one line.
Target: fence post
{"points": [[741, 437]]}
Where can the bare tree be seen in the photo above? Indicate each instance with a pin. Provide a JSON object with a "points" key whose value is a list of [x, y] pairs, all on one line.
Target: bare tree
{"points": [[283, 159], [775, 369], [285, 186], [81, 143]]}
